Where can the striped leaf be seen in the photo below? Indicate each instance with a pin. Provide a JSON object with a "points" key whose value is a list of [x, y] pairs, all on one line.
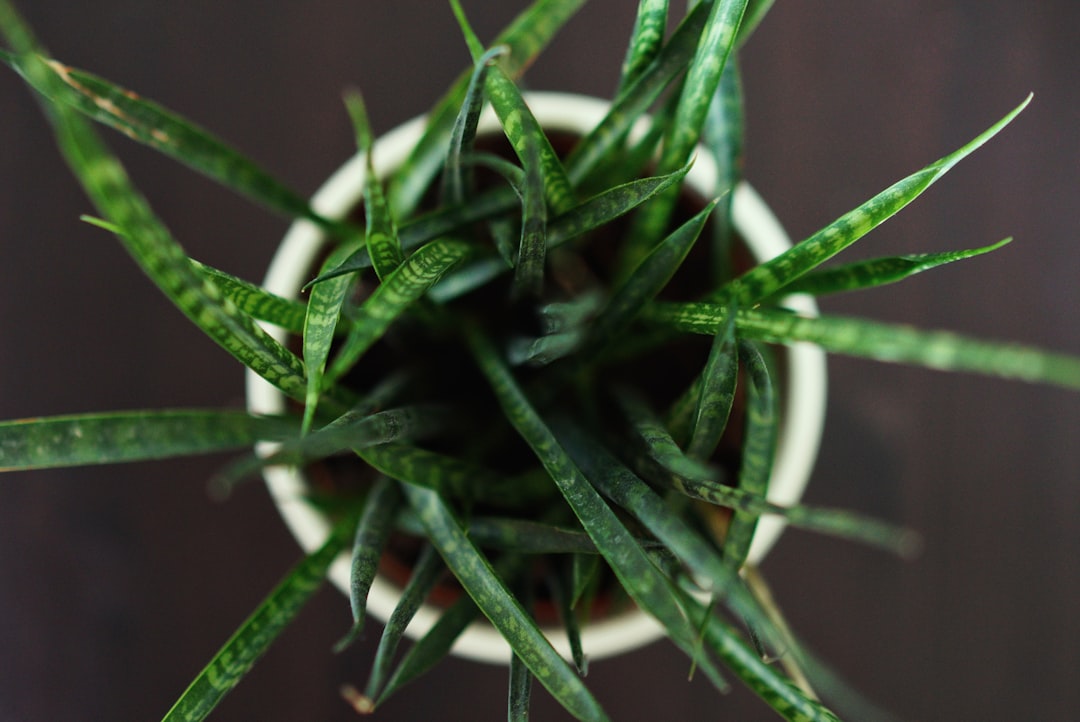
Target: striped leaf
{"points": [[356, 429], [700, 557], [636, 572], [320, 329], [259, 631], [757, 453], [425, 575], [256, 301], [448, 475], [382, 242], [249, 298], [151, 124], [107, 438], [457, 178], [526, 36], [878, 271], [608, 205], [702, 79], [487, 590], [145, 237], [634, 102], [520, 690], [527, 138], [372, 531], [514, 534], [772, 276], [434, 646], [714, 391], [646, 39], [941, 350], [723, 137], [698, 481], [762, 679], [596, 211], [840, 523], [659, 443], [647, 280], [398, 291]]}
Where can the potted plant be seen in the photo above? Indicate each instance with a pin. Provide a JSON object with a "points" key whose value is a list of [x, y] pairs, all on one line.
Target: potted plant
{"points": [[505, 345]]}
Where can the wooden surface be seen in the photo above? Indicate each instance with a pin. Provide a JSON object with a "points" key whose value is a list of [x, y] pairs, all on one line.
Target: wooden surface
{"points": [[117, 584]]}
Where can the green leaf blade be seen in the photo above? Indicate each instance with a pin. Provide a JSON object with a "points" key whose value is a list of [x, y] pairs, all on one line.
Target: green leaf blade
{"points": [[148, 123], [941, 350], [501, 607], [879, 271], [758, 451], [772, 276], [257, 633], [125, 436], [646, 39], [400, 290]]}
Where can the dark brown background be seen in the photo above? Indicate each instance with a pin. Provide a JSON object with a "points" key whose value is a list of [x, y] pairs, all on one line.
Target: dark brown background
{"points": [[117, 584]]}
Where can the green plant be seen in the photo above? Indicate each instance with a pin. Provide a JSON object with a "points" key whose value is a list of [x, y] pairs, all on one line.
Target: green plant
{"points": [[571, 355]]}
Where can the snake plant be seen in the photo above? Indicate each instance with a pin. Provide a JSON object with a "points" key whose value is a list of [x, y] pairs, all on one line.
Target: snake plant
{"points": [[490, 341]]}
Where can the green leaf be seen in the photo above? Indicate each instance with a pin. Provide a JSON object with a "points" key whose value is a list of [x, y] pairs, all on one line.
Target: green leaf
{"points": [[457, 179], [151, 124], [248, 297], [702, 79], [500, 606], [356, 429], [596, 211], [527, 138], [520, 691], [145, 237], [256, 301], [372, 532], [106, 438], [772, 276], [425, 575], [608, 205], [382, 242], [526, 36], [659, 443], [646, 39], [320, 329], [714, 390], [605, 140], [545, 349], [765, 681], [561, 584], [941, 350], [398, 291], [448, 475], [698, 481], [514, 534], [647, 280], [635, 571], [258, 631], [758, 451], [723, 137], [433, 647], [878, 271], [623, 487]]}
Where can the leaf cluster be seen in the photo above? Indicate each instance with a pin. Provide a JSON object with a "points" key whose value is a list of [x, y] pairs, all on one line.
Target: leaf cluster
{"points": [[535, 360]]}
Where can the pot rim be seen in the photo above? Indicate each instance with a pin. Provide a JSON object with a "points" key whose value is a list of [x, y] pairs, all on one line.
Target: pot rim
{"points": [[803, 402]]}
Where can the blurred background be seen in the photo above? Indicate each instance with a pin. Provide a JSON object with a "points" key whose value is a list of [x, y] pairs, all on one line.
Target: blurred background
{"points": [[117, 584]]}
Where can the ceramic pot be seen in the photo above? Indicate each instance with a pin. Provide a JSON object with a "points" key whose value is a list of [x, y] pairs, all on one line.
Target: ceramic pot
{"points": [[803, 386]]}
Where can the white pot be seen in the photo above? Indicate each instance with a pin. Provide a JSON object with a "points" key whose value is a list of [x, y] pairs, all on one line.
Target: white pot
{"points": [[803, 388]]}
